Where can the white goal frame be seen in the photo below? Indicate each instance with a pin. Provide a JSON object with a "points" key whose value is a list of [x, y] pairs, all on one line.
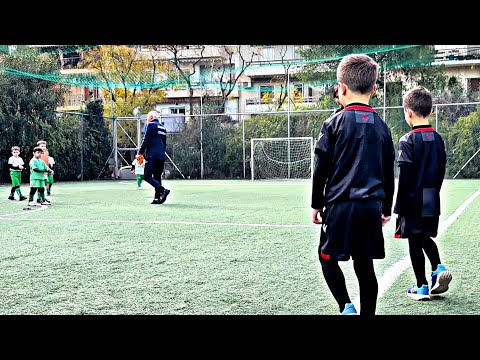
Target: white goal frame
{"points": [[290, 162]]}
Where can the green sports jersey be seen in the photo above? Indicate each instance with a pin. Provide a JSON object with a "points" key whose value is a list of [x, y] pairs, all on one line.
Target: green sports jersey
{"points": [[37, 164]]}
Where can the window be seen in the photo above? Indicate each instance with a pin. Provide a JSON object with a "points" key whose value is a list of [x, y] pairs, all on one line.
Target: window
{"points": [[174, 124], [177, 111], [291, 53], [473, 85], [204, 74], [298, 90], [266, 53], [75, 97], [266, 94], [71, 60]]}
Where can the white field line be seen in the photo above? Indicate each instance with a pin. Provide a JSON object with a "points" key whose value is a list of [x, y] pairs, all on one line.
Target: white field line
{"points": [[394, 271], [32, 209], [6, 217], [226, 185], [235, 183]]}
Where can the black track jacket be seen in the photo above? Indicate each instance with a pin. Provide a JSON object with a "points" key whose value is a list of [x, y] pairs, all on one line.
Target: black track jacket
{"points": [[354, 159], [422, 161]]}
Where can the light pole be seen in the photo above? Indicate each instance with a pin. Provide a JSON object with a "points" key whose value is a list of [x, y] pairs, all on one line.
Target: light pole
{"points": [[201, 130], [114, 125], [136, 113], [384, 90], [288, 120], [288, 103]]}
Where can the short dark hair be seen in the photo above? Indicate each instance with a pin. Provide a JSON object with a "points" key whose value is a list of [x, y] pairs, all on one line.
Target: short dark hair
{"points": [[359, 72], [37, 148], [419, 100]]}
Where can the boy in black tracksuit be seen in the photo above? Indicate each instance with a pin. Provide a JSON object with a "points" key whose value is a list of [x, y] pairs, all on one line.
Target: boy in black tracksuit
{"points": [[421, 162], [353, 185]]}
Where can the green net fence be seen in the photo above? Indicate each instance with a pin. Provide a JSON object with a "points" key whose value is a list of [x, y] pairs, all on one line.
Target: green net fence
{"points": [[399, 57], [218, 146]]}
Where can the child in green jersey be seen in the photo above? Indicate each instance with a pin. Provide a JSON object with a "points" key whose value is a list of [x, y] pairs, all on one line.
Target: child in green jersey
{"points": [[37, 178]]}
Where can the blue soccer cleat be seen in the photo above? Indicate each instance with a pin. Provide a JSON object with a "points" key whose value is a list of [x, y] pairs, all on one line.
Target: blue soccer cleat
{"points": [[440, 280], [417, 293], [349, 309]]}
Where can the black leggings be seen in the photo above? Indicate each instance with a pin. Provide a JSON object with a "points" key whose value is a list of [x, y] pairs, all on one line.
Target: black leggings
{"points": [[367, 281], [417, 245], [41, 192]]}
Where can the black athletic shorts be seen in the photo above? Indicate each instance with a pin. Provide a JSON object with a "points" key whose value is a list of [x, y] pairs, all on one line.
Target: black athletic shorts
{"points": [[410, 226], [352, 229]]}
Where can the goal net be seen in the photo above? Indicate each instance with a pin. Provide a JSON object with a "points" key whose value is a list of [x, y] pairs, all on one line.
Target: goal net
{"points": [[282, 158]]}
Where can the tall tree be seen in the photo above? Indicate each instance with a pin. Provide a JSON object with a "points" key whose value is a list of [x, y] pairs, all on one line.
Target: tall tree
{"points": [[133, 78], [27, 104], [284, 78], [186, 68], [238, 59], [225, 73], [96, 140], [463, 146]]}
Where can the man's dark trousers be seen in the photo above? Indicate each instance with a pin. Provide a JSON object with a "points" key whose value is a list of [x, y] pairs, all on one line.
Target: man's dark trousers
{"points": [[153, 174]]}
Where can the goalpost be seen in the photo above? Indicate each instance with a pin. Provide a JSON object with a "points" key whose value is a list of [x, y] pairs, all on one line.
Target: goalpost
{"points": [[281, 158], [134, 145]]}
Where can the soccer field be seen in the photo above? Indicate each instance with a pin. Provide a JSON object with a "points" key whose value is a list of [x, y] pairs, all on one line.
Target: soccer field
{"points": [[214, 247]]}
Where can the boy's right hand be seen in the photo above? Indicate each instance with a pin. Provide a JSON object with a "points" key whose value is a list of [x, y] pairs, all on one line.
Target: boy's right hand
{"points": [[385, 219], [317, 216]]}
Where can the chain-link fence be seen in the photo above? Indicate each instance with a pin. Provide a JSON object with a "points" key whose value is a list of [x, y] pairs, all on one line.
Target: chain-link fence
{"points": [[458, 124], [218, 146], [215, 146]]}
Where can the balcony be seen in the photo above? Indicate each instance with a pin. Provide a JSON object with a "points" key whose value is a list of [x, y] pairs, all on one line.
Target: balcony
{"points": [[72, 102], [253, 105], [466, 53]]}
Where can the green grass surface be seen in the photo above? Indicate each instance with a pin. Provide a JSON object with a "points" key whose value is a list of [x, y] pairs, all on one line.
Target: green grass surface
{"points": [[214, 247]]}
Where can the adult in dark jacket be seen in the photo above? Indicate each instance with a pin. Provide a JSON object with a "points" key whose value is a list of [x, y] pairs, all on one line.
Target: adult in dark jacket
{"points": [[153, 149]]}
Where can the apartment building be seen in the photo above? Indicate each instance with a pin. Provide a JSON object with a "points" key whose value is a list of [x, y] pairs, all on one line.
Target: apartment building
{"points": [[263, 72], [462, 61], [197, 62], [271, 72], [268, 74], [267, 70]]}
